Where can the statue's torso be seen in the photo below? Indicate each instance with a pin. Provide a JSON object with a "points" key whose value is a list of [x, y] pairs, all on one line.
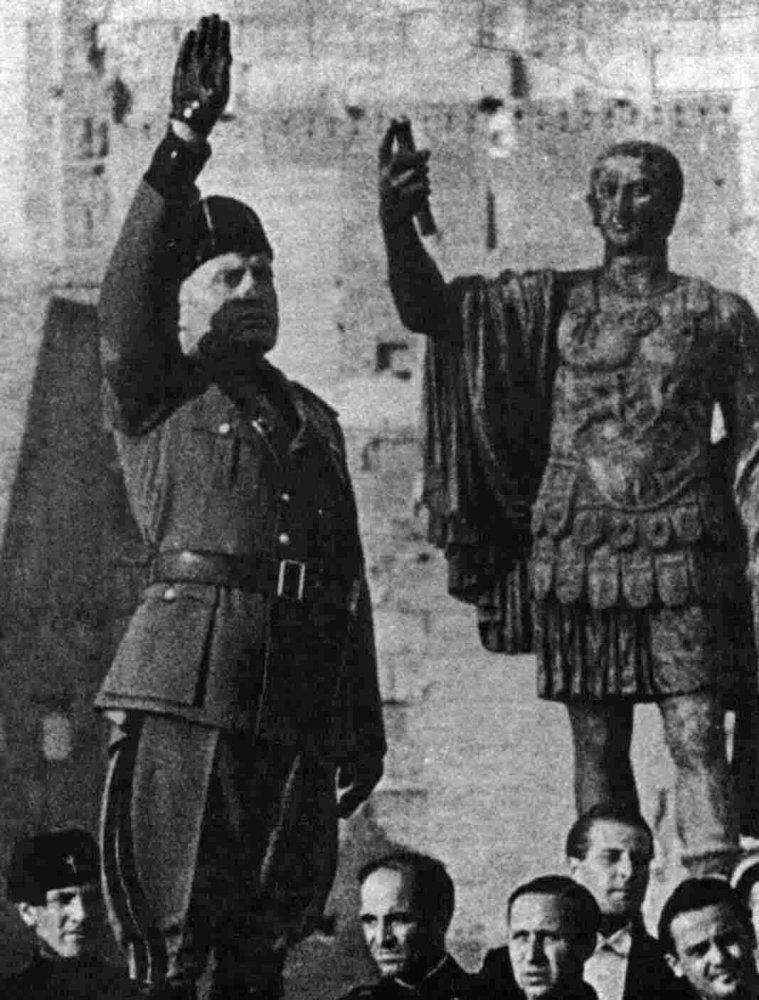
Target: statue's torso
{"points": [[634, 507], [635, 390]]}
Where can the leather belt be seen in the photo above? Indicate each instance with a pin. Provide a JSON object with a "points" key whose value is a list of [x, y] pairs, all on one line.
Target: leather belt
{"points": [[290, 579]]}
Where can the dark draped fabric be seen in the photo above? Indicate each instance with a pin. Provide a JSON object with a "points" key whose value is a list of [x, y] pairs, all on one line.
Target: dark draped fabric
{"points": [[487, 399]]}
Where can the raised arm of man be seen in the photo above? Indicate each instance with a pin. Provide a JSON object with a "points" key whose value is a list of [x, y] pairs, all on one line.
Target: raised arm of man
{"points": [[142, 360]]}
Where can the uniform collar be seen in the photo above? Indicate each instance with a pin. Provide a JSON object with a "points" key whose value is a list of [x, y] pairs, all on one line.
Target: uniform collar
{"points": [[446, 968]]}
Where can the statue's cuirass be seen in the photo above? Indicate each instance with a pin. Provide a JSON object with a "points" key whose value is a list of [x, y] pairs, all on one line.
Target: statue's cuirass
{"points": [[634, 394], [631, 509]]}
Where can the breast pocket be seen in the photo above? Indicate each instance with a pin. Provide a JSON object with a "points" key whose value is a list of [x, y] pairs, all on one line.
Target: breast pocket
{"points": [[218, 447], [162, 655]]}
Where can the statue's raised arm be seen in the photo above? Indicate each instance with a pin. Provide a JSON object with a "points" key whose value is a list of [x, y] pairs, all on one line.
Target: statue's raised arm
{"points": [[416, 283]]}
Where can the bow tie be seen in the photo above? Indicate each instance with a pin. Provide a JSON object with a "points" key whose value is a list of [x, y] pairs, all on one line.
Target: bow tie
{"points": [[619, 942]]}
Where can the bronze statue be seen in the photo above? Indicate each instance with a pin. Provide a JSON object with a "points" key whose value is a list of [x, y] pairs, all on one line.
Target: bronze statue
{"points": [[573, 484]]}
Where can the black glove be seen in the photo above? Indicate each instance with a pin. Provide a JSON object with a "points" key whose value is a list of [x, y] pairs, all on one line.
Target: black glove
{"points": [[200, 88], [404, 181]]}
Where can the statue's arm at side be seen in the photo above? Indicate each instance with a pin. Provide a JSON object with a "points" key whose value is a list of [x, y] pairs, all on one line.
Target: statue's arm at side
{"points": [[741, 406], [140, 349]]}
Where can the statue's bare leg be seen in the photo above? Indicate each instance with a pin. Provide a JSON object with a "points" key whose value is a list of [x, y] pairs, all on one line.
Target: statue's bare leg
{"points": [[706, 814], [601, 733]]}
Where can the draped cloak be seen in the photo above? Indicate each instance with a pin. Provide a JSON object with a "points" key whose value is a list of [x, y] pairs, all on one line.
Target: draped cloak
{"points": [[487, 407], [488, 388]]}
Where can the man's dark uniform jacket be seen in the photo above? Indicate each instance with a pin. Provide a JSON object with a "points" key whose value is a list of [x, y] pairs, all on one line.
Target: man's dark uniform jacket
{"points": [[448, 981], [648, 974], [214, 470], [68, 979]]}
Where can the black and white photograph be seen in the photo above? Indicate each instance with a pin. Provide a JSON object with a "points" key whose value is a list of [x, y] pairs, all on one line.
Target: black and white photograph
{"points": [[379, 499]]}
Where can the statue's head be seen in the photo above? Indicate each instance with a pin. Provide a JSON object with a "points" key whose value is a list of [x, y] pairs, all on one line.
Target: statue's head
{"points": [[227, 301], [635, 193]]}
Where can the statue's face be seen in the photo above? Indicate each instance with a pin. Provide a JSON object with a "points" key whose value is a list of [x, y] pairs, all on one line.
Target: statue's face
{"points": [[629, 204]]}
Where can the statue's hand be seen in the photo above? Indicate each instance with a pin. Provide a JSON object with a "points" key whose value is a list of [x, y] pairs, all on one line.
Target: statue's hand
{"points": [[404, 181], [200, 88]]}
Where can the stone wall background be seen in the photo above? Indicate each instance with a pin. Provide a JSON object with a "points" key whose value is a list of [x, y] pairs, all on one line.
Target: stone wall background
{"points": [[514, 99]]}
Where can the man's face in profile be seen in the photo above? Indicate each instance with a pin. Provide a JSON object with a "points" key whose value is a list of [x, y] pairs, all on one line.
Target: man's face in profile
{"points": [[629, 204], [234, 297], [69, 920], [714, 952]]}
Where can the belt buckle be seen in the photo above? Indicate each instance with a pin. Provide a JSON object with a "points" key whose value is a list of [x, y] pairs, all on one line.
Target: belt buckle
{"points": [[291, 579]]}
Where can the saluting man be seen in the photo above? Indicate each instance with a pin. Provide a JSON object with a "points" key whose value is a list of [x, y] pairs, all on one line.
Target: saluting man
{"points": [[244, 701]]}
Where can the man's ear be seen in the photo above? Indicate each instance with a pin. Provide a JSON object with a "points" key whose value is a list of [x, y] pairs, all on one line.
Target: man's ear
{"points": [[674, 963], [573, 864], [28, 913]]}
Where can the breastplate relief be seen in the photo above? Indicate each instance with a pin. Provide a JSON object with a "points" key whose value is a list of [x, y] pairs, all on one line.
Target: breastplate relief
{"points": [[595, 340]]}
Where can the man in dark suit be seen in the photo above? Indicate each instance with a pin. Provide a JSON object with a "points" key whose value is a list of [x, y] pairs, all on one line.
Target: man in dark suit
{"points": [[552, 926], [54, 880], [407, 902], [609, 850], [245, 686]]}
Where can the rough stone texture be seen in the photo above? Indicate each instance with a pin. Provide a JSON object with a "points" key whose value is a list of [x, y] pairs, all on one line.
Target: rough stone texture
{"points": [[479, 771]]}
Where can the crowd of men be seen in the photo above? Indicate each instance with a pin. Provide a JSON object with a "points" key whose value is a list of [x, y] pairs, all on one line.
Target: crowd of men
{"points": [[573, 483], [575, 936]]}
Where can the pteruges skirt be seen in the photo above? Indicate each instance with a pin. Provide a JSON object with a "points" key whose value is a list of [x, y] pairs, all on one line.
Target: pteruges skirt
{"points": [[643, 654]]}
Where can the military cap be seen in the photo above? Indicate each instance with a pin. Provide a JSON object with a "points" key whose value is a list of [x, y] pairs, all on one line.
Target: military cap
{"points": [[51, 860], [214, 226]]}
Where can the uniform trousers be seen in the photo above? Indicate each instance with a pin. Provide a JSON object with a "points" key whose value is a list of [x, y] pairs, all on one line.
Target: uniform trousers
{"points": [[218, 853]]}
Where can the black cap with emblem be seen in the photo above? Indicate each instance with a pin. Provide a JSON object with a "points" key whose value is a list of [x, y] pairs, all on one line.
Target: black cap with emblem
{"points": [[215, 226], [51, 860]]}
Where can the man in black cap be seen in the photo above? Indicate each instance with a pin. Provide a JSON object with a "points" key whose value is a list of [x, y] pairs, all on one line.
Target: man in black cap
{"points": [[244, 700], [54, 880]]}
